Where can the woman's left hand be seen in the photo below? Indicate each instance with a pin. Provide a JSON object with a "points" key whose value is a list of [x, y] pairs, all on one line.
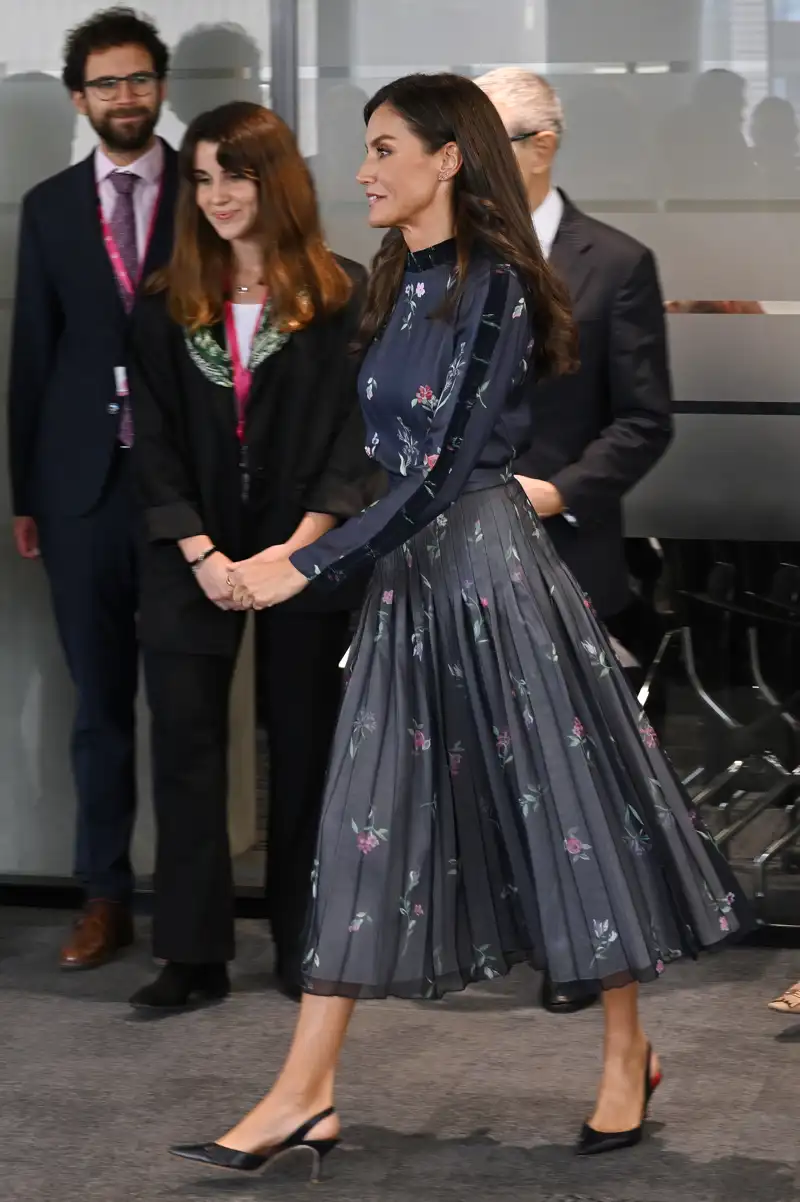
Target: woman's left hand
{"points": [[266, 584]]}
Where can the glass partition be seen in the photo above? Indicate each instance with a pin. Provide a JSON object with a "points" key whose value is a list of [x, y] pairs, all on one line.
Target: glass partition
{"points": [[221, 51], [681, 130]]}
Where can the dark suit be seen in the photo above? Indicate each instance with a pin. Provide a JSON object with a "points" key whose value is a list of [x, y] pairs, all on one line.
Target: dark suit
{"points": [[305, 452], [599, 431], [69, 473]]}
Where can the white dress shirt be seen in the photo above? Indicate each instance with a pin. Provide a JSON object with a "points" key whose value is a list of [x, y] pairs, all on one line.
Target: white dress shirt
{"points": [[547, 219], [150, 169]]}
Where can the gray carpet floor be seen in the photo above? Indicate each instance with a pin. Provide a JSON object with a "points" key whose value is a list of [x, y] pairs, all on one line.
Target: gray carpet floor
{"points": [[479, 1096]]}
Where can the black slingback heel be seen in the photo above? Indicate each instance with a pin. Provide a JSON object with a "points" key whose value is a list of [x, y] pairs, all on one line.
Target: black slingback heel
{"points": [[220, 1157], [593, 1143]]}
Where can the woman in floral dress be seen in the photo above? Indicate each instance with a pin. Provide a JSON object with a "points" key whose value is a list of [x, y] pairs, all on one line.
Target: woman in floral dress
{"points": [[494, 794]]}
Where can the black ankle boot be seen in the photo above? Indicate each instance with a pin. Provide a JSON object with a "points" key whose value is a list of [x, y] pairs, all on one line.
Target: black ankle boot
{"points": [[179, 984]]}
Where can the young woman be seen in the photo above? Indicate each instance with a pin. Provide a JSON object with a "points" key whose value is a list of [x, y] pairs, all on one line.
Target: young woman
{"points": [[494, 795], [249, 443]]}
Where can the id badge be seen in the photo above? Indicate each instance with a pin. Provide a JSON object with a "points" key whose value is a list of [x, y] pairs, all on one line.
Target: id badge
{"points": [[121, 381]]}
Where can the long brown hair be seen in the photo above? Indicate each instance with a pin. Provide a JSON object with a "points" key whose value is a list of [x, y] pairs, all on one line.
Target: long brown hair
{"points": [[301, 275], [490, 210]]}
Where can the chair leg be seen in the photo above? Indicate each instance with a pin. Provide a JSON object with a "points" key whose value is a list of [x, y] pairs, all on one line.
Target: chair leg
{"points": [[644, 692], [690, 663], [756, 672]]}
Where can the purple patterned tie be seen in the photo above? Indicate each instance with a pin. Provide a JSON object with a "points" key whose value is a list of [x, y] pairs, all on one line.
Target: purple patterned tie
{"points": [[123, 229]]}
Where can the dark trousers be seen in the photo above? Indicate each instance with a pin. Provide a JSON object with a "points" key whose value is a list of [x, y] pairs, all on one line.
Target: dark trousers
{"points": [[92, 565], [188, 694]]}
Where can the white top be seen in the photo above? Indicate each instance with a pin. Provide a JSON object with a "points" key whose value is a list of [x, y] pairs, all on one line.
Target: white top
{"points": [[547, 219], [149, 168], [245, 319]]}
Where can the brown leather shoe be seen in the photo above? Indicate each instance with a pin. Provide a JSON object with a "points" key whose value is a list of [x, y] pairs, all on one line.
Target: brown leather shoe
{"points": [[102, 930]]}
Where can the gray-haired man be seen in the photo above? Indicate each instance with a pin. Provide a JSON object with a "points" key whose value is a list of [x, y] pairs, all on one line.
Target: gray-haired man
{"points": [[599, 431]]}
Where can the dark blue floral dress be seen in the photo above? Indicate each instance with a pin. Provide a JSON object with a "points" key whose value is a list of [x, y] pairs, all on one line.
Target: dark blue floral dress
{"points": [[494, 792]]}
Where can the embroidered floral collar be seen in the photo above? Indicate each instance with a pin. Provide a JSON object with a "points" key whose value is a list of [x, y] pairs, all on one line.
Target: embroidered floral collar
{"points": [[443, 254], [213, 358]]}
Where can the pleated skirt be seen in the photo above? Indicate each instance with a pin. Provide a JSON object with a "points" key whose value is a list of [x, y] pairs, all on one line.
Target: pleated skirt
{"points": [[495, 794]]}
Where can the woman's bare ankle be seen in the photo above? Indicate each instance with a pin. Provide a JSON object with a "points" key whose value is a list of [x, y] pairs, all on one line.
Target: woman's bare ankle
{"points": [[301, 1101], [624, 1048], [274, 1119]]}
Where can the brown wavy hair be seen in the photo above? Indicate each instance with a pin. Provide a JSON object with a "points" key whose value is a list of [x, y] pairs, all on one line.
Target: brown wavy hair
{"points": [[301, 274], [490, 211]]}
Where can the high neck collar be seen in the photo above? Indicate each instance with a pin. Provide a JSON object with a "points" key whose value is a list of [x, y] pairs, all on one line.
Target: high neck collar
{"points": [[442, 254]]}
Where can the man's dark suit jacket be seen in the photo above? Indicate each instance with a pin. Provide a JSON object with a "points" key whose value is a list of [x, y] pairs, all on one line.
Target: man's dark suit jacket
{"points": [[70, 332], [598, 432]]}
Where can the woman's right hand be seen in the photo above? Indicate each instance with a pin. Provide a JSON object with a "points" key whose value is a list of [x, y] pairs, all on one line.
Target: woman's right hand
{"points": [[213, 576]]}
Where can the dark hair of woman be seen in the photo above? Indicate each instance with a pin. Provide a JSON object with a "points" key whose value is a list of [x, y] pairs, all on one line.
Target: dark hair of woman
{"points": [[301, 275], [107, 30], [490, 210]]}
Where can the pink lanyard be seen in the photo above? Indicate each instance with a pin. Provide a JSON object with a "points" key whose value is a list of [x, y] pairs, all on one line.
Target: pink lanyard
{"points": [[125, 282], [242, 375]]}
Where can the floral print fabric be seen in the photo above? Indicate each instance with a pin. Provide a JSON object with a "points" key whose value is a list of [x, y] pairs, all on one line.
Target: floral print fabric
{"points": [[444, 403], [495, 794]]}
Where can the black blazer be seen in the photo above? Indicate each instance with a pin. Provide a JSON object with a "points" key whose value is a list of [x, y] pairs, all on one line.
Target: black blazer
{"points": [[305, 440], [70, 331], [598, 432]]}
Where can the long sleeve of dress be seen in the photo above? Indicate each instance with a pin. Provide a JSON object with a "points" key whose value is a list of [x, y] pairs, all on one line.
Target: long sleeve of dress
{"points": [[492, 351]]}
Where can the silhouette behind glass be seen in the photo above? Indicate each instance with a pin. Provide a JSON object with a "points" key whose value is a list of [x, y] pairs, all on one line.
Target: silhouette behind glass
{"points": [[211, 65], [705, 155], [774, 133]]}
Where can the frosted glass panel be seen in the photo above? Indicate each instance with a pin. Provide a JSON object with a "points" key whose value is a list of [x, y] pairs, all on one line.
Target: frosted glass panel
{"points": [[681, 128], [221, 51], [681, 112]]}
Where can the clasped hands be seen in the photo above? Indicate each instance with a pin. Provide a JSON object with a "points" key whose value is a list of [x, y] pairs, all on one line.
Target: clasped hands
{"points": [[257, 583], [266, 579]]}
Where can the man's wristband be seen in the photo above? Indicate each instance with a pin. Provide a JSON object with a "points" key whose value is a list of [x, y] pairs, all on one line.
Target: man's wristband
{"points": [[194, 564]]}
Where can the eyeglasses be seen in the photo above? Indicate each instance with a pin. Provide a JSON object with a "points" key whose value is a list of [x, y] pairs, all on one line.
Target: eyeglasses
{"points": [[534, 133], [108, 87]]}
